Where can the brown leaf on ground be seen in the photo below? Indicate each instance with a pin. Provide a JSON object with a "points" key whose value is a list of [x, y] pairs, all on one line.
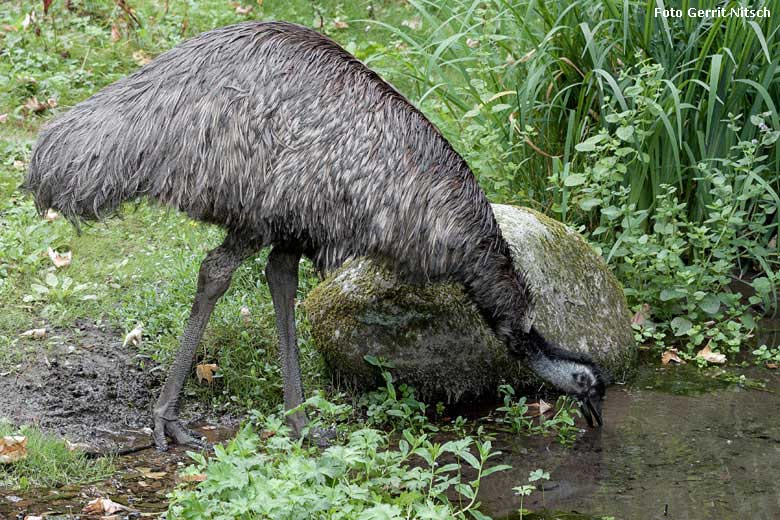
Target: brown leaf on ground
{"points": [[193, 477], [206, 372], [12, 448], [243, 9], [116, 34], [266, 434], [246, 315], [134, 337], [34, 333], [60, 259], [338, 24], [670, 356], [711, 357], [141, 58], [641, 316], [51, 102], [540, 408], [35, 106], [773, 366], [46, 5], [148, 473], [101, 506]]}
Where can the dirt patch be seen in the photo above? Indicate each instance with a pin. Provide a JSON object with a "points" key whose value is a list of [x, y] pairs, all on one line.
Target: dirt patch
{"points": [[82, 384]]}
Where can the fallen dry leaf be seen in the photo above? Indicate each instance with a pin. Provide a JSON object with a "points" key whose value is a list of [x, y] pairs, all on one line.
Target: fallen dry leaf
{"points": [[148, 473], [711, 357], [60, 259], [206, 371], [134, 337], [33, 517], [670, 356], [193, 477], [413, 24], [101, 506], [141, 58], [29, 19], [51, 215], [35, 106], [641, 315], [76, 446], [541, 408], [773, 366], [51, 102], [12, 448], [241, 9], [3, 118], [246, 314], [34, 333], [116, 35], [338, 24]]}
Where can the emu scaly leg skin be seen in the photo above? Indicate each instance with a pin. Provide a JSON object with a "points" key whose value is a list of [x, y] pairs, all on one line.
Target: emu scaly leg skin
{"points": [[282, 275], [214, 278]]}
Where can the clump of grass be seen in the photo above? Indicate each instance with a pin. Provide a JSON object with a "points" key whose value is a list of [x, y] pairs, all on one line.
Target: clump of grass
{"points": [[49, 462]]}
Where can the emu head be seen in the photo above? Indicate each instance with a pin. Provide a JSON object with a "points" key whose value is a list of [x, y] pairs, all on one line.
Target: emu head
{"points": [[573, 373]]}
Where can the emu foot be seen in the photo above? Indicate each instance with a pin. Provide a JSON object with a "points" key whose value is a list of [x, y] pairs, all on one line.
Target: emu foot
{"points": [[322, 436], [178, 432]]}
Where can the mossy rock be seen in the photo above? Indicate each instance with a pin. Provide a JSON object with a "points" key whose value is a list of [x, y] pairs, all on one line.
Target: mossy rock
{"points": [[436, 339]]}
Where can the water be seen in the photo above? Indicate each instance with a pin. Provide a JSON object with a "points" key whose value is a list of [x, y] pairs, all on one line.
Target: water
{"points": [[668, 450]]}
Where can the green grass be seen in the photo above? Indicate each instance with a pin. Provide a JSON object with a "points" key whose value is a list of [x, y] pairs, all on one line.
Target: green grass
{"points": [[49, 462]]}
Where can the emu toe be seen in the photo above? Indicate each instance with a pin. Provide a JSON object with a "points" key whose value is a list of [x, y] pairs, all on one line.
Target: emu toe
{"points": [[178, 433]]}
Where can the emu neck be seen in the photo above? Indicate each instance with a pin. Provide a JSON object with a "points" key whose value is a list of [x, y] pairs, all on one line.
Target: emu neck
{"points": [[555, 371]]}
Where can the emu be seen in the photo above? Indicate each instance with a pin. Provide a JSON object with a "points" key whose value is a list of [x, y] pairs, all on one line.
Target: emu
{"points": [[275, 133]]}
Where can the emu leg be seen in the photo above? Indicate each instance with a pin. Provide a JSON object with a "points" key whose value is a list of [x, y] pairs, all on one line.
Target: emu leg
{"points": [[282, 275], [213, 280]]}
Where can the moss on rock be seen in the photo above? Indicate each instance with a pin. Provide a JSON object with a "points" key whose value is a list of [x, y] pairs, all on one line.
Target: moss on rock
{"points": [[434, 335]]}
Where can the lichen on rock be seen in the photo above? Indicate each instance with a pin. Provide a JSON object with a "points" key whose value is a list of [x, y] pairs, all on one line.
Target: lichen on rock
{"points": [[434, 336]]}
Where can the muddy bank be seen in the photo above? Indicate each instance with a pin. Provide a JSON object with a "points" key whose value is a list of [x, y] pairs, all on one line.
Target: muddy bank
{"points": [[82, 384]]}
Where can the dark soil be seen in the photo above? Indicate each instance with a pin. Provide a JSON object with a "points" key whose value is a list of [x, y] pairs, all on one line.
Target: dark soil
{"points": [[82, 384]]}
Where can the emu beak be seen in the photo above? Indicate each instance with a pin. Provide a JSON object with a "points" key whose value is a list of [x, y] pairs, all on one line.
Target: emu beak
{"points": [[591, 408]]}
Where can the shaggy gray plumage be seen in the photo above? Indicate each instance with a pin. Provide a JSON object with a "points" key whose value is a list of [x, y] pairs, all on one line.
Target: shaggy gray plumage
{"points": [[274, 132]]}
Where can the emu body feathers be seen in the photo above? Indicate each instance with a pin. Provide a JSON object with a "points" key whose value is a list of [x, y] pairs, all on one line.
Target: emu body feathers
{"points": [[275, 133]]}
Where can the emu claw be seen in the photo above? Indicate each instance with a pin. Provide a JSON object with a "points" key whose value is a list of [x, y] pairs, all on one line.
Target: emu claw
{"points": [[178, 432]]}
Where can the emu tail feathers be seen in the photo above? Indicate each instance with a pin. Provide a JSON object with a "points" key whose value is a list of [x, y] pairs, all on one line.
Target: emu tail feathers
{"points": [[72, 170]]}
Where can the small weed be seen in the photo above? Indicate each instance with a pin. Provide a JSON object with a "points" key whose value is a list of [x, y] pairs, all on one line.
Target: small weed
{"points": [[526, 489], [561, 423]]}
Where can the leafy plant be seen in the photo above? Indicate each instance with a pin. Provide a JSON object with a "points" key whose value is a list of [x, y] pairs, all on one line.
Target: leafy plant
{"points": [[385, 408], [272, 475], [561, 423], [526, 489]]}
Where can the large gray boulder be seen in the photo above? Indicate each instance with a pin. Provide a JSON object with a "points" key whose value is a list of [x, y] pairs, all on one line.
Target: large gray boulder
{"points": [[436, 339]]}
